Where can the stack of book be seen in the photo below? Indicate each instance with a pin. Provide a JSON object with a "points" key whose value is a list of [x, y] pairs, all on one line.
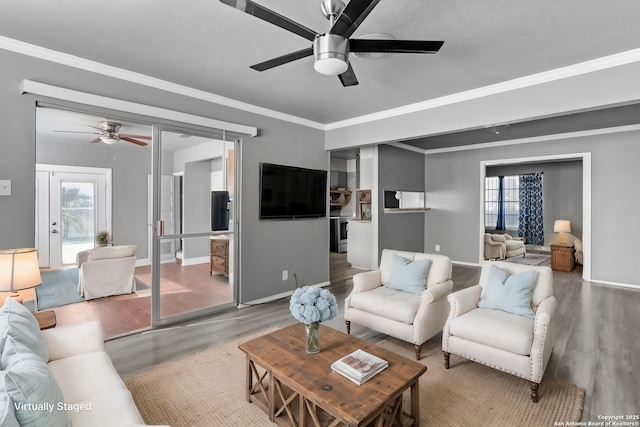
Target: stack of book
{"points": [[359, 366]]}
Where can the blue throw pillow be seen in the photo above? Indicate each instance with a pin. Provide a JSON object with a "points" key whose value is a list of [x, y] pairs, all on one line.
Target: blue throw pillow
{"points": [[510, 293], [408, 276]]}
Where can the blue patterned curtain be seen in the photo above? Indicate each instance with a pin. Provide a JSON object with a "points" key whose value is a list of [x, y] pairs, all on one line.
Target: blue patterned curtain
{"points": [[500, 224], [530, 221]]}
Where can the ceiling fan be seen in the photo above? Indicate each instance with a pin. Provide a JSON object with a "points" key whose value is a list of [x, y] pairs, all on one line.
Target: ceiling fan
{"points": [[109, 134], [331, 50]]}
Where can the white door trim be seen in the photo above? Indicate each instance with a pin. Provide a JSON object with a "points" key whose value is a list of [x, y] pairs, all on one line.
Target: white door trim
{"points": [[586, 199]]}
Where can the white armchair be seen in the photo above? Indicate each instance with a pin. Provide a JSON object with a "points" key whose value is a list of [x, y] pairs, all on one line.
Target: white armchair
{"points": [[509, 342], [108, 270], [412, 317]]}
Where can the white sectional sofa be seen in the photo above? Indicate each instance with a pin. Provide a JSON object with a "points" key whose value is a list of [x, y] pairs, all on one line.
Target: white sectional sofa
{"points": [[58, 377]]}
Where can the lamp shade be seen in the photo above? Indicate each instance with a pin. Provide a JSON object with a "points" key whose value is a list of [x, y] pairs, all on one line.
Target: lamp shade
{"points": [[562, 226], [19, 269]]}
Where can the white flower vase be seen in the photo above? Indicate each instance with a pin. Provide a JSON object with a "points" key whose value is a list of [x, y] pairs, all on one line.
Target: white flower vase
{"points": [[312, 335]]}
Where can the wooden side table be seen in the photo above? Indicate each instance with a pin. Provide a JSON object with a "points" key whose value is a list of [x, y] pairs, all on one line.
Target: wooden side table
{"points": [[46, 319], [219, 253], [563, 257]]}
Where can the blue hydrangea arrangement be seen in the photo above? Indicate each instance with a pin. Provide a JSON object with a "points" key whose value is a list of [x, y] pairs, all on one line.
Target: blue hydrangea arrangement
{"points": [[311, 304]]}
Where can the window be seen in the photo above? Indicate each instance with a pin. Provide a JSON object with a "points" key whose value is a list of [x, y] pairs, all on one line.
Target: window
{"points": [[510, 200]]}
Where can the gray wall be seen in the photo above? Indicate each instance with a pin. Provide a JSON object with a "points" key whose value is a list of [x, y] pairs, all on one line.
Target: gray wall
{"points": [[403, 170], [130, 169], [453, 193], [197, 207], [562, 188], [267, 247]]}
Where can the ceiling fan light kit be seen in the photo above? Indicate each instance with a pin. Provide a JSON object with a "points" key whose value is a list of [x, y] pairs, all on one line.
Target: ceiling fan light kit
{"points": [[331, 53], [331, 50]]}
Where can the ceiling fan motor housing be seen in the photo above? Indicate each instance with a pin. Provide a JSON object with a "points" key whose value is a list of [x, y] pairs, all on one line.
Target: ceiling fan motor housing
{"points": [[331, 54]]}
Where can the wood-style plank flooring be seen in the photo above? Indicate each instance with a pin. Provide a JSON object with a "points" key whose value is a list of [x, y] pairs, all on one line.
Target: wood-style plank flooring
{"points": [[597, 338], [183, 289]]}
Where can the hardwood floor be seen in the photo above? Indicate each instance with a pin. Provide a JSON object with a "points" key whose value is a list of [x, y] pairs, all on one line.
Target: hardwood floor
{"points": [[183, 289], [597, 338]]}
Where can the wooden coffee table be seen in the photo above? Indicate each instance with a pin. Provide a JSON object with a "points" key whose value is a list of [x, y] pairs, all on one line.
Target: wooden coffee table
{"points": [[299, 389]]}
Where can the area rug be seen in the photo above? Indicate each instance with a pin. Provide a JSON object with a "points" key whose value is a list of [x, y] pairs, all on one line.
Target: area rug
{"points": [[531, 259], [60, 287], [207, 389]]}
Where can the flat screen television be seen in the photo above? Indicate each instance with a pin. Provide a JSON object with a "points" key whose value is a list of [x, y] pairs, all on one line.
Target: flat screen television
{"points": [[292, 192]]}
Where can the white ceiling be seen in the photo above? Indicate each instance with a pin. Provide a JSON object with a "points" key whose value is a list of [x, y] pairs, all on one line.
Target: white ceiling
{"points": [[206, 45]]}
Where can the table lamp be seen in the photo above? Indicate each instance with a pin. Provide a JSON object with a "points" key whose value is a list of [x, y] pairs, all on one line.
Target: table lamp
{"points": [[19, 270], [562, 226]]}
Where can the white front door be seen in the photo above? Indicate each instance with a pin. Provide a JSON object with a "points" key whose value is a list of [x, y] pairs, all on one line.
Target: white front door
{"points": [[73, 205]]}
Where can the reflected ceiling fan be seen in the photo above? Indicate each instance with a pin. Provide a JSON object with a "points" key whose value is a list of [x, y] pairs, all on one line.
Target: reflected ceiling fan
{"points": [[108, 132], [331, 50]]}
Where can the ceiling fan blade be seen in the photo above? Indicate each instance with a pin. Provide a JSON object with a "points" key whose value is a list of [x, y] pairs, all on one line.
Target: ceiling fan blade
{"points": [[352, 16], [122, 135], [93, 141], [283, 59], [96, 127], [394, 46], [348, 78], [135, 141], [274, 18]]}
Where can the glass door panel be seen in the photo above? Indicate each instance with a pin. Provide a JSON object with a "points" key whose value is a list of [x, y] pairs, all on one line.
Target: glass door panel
{"points": [[194, 242]]}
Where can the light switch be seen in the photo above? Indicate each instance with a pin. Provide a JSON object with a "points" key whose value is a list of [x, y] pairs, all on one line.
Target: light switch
{"points": [[5, 187]]}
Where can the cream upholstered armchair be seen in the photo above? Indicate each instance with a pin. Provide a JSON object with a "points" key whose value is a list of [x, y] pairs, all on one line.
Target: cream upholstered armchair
{"points": [[492, 248], [413, 314], [505, 322], [106, 271], [501, 246]]}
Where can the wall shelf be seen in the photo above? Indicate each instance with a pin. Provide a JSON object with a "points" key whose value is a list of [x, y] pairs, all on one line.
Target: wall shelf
{"points": [[339, 197]]}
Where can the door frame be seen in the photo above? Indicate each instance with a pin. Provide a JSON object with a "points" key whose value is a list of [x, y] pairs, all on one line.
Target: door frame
{"points": [[43, 199], [586, 199], [156, 176]]}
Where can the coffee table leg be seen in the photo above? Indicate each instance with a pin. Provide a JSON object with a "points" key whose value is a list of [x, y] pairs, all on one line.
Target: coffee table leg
{"points": [[249, 379], [415, 403]]}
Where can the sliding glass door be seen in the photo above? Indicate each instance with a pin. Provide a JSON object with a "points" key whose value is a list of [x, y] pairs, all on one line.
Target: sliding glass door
{"points": [[193, 241]]}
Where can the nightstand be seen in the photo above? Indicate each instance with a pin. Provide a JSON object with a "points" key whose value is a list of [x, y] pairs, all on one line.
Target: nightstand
{"points": [[46, 319], [563, 257]]}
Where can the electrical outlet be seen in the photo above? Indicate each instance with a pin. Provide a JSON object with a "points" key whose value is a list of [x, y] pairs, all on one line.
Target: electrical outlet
{"points": [[285, 274], [437, 248], [5, 187]]}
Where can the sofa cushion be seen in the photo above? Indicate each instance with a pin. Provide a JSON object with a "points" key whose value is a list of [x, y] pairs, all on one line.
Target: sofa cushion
{"points": [[498, 238], [510, 293], [85, 376], [109, 252], [35, 393], [113, 409], [399, 306], [495, 328], [514, 244], [408, 276], [16, 321], [7, 414]]}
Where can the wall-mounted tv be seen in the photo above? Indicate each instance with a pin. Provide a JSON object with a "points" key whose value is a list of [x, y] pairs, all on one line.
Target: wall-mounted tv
{"points": [[292, 192], [219, 210]]}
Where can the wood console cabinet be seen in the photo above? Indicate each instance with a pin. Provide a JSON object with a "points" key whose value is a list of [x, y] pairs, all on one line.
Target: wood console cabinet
{"points": [[563, 257], [219, 252]]}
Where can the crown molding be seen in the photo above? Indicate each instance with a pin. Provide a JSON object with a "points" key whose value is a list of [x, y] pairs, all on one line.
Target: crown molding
{"points": [[145, 80], [615, 60]]}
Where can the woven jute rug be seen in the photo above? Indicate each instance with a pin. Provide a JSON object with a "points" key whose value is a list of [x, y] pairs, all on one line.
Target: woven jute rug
{"points": [[207, 389]]}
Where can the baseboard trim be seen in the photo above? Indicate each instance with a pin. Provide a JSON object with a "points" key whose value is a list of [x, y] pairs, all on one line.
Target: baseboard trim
{"points": [[277, 296], [616, 284], [468, 264]]}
